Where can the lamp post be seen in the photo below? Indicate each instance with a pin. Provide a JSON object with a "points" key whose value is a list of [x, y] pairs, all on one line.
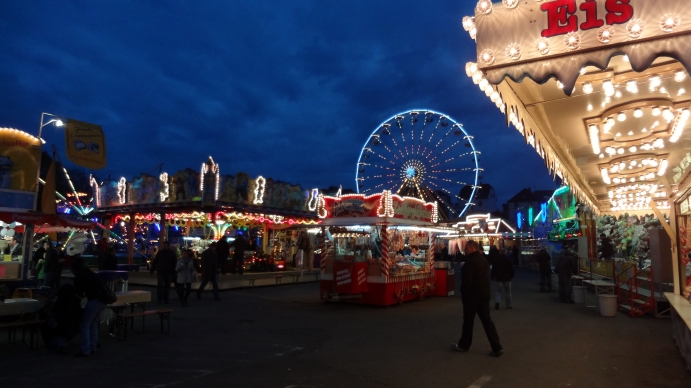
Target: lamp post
{"points": [[55, 120]]}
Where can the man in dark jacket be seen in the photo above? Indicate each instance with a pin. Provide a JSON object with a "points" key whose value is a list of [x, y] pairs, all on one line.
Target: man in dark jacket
{"points": [[606, 248], [545, 262], [209, 271], [475, 293], [502, 273], [164, 263], [52, 267], [567, 267], [240, 246], [223, 251]]}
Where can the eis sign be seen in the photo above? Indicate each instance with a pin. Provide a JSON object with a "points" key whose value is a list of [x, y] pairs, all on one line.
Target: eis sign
{"points": [[563, 16]]}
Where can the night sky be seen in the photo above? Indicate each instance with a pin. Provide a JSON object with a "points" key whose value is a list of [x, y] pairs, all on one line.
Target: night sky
{"points": [[285, 89]]}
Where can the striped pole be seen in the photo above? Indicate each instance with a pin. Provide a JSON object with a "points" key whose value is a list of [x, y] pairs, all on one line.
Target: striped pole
{"points": [[431, 252], [322, 260], [384, 252]]}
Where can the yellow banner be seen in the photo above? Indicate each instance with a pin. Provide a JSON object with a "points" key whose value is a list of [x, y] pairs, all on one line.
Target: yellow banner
{"points": [[85, 144], [20, 155]]}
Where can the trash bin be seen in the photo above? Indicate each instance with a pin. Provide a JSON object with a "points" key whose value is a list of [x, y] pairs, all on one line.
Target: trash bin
{"points": [[578, 294], [608, 305]]}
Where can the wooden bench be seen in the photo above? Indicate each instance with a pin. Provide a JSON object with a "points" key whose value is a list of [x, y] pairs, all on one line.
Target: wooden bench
{"points": [[296, 277], [123, 319], [32, 325], [252, 280]]}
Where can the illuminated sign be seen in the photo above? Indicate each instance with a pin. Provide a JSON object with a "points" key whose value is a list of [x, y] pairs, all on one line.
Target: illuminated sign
{"points": [[563, 18]]}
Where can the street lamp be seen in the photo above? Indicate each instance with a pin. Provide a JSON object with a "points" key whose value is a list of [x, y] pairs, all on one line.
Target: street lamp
{"points": [[55, 120]]}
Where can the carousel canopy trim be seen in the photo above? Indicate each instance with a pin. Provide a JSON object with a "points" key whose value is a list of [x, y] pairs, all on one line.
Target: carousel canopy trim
{"points": [[556, 39]]}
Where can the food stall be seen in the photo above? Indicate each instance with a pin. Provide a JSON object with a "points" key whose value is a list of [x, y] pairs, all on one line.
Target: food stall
{"points": [[378, 250], [488, 231], [600, 90]]}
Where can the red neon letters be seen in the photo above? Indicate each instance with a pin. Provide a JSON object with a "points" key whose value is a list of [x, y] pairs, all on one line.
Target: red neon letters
{"points": [[562, 18]]}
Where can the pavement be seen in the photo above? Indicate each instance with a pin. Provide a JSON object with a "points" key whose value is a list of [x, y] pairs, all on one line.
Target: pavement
{"points": [[286, 337]]}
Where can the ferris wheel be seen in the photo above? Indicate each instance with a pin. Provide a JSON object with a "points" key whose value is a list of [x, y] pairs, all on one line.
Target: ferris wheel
{"points": [[422, 154]]}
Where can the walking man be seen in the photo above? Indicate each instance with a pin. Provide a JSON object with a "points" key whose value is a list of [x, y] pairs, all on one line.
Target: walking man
{"points": [[503, 274], [164, 263], [475, 293], [209, 271]]}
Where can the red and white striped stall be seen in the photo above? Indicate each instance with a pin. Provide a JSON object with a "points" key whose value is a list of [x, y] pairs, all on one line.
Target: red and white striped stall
{"points": [[368, 236]]}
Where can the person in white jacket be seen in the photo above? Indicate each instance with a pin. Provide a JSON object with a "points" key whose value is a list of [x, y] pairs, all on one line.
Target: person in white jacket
{"points": [[186, 274]]}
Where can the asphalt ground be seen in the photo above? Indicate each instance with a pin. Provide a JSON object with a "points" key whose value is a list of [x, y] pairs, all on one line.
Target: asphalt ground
{"points": [[285, 336]]}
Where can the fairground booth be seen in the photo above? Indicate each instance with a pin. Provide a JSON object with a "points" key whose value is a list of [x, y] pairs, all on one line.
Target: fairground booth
{"points": [[22, 227], [380, 249], [600, 89], [488, 231], [192, 208]]}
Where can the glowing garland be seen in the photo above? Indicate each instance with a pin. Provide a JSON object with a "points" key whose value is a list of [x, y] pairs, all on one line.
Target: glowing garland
{"points": [[314, 198], [259, 189], [122, 190], [215, 168], [97, 190], [165, 193]]}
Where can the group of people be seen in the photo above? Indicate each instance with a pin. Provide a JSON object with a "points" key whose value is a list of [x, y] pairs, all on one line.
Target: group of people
{"points": [[48, 266], [478, 271], [565, 268], [182, 272]]}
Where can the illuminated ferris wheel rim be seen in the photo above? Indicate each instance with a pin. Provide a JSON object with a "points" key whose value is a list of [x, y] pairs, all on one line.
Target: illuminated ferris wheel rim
{"points": [[469, 138]]}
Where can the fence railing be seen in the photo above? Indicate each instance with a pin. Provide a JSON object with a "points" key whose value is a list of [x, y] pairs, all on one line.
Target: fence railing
{"points": [[603, 268]]}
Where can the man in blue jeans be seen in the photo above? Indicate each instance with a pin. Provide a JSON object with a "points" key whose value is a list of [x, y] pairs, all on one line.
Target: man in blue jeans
{"points": [[87, 284]]}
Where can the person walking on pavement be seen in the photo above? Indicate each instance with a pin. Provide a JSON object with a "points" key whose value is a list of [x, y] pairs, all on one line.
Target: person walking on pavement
{"points": [[545, 262], [223, 251], [209, 271], [185, 274], [502, 273], [240, 246], [475, 294], [567, 267], [164, 265]]}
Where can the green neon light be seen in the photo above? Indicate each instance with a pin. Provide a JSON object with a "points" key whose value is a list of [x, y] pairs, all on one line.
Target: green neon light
{"points": [[530, 216]]}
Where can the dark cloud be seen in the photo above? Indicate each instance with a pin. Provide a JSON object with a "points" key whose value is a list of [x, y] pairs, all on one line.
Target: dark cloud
{"points": [[289, 90]]}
